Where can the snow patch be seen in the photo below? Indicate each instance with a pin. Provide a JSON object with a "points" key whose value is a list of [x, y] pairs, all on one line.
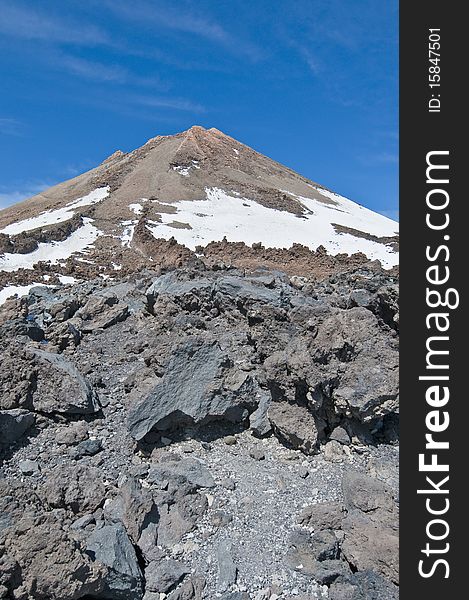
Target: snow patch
{"points": [[52, 217], [184, 170], [128, 232], [53, 252], [136, 208], [16, 290], [66, 279], [244, 220]]}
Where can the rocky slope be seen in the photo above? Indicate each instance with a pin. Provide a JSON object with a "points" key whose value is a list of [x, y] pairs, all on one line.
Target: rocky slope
{"points": [[201, 432], [198, 384]]}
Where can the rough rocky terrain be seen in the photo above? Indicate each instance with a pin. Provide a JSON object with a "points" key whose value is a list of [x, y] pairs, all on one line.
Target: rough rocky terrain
{"points": [[207, 429]]}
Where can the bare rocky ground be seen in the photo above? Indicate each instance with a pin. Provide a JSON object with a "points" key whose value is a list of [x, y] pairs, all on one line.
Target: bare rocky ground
{"points": [[203, 433]]}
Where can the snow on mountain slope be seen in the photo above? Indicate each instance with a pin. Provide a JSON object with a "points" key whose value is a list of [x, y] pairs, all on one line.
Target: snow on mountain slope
{"points": [[52, 217], [198, 222], [197, 186], [15, 290], [54, 252]]}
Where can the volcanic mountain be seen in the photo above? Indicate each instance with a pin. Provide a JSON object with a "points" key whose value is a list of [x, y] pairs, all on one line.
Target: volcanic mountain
{"points": [[193, 188], [189, 417]]}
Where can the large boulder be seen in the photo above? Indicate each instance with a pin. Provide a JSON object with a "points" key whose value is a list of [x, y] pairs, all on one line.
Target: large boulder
{"points": [[17, 377], [361, 365], [162, 576], [196, 388], [346, 370], [322, 516], [371, 527], [47, 563], [80, 489], [61, 388], [317, 556], [295, 425]]}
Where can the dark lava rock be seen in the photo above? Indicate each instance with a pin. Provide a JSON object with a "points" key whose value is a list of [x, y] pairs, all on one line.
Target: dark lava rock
{"points": [[110, 545], [14, 424], [192, 391]]}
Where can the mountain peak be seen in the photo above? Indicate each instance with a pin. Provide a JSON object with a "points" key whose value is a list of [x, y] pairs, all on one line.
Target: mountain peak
{"points": [[196, 187]]}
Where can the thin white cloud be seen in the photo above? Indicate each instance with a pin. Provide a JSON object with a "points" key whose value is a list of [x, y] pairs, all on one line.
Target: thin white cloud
{"points": [[103, 73], [181, 104], [92, 70], [309, 58], [148, 14], [27, 23]]}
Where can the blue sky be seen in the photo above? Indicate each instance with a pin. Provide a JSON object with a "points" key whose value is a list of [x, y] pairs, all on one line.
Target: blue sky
{"points": [[311, 83]]}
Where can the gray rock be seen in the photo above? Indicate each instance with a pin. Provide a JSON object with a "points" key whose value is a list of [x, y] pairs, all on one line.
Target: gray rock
{"points": [[295, 425], [227, 570], [258, 420], [83, 522], [320, 546], [248, 291], [110, 317], [361, 298], [219, 518], [370, 545], [191, 589], [349, 369], [327, 515], [333, 451], [230, 440], [257, 454], [110, 545], [42, 560], [28, 467], [191, 392], [366, 585], [87, 448], [163, 576], [72, 433], [366, 493], [170, 284], [135, 508], [371, 526], [188, 470], [17, 376], [151, 595], [327, 571], [80, 489], [61, 388], [368, 384], [181, 517], [340, 435], [316, 556], [228, 483], [14, 424], [97, 304]]}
